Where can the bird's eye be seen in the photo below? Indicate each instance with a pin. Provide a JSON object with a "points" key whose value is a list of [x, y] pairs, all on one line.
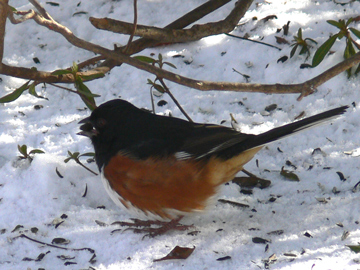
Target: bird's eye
{"points": [[101, 122]]}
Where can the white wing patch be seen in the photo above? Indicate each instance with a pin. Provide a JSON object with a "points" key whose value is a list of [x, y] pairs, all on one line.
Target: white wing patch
{"points": [[182, 155]]}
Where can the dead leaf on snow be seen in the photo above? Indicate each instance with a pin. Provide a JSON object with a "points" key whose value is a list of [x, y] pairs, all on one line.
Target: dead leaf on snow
{"points": [[177, 253]]}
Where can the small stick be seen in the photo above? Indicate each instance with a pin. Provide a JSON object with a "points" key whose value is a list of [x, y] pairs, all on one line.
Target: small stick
{"points": [[54, 246]]}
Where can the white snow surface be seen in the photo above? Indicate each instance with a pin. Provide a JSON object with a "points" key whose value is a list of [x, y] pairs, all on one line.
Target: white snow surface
{"points": [[33, 195]]}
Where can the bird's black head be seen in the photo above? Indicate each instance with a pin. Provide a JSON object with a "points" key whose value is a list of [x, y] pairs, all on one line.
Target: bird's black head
{"points": [[106, 127]]}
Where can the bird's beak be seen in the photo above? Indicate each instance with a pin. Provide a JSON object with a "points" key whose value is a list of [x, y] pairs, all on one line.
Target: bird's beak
{"points": [[87, 129], [85, 120]]}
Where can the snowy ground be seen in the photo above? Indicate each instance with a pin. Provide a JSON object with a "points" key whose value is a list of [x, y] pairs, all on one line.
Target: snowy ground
{"points": [[34, 196]]}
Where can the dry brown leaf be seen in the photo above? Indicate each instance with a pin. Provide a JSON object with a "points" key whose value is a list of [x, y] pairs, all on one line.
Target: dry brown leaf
{"points": [[177, 253]]}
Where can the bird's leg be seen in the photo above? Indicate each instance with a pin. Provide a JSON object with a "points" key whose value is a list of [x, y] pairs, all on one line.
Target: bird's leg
{"points": [[145, 226]]}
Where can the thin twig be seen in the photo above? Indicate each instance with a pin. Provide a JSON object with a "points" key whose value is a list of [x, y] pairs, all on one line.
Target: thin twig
{"points": [[152, 100], [248, 173], [174, 99], [91, 61], [134, 27], [3, 16], [82, 165], [41, 10], [26, 15], [255, 41], [65, 88], [54, 246]]}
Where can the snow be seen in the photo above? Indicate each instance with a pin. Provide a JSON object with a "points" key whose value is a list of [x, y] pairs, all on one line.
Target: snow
{"points": [[33, 195]]}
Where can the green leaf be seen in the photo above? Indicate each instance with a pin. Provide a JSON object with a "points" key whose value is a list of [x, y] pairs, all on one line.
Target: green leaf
{"points": [[61, 72], [75, 68], [323, 50], [89, 154], [354, 248], [310, 39], [33, 92], [23, 150], [289, 175], [16, 94], [71, 156], [145, 59], [160, 57], [357, 69], [349, 21], [293, 50], [85, 94], [351, 48], [92, 77], [159, 88], [339, 24], [12, 8], [170, 64], [348, 52], [300, 33], [340, 35], [84, 90], [355, 32], [304, 50], [36, 151]]}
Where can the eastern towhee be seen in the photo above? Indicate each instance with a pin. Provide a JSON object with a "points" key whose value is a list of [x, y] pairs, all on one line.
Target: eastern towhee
{"points": [[167, 167]]}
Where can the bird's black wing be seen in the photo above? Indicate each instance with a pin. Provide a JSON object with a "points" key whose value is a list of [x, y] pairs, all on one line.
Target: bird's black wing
{"points": [[163, 136]]}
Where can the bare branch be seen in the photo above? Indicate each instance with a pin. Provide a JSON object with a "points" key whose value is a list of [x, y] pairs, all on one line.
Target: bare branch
{"points": [[134, 27], [107, 65], [47, 77], [186, 20], [41, 10], [304, 89], [91, 61], [26, 15], [174, 99], [172, 35], [332, 72], [3, 15]]}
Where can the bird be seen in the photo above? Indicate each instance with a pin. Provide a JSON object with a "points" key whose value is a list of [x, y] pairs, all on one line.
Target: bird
{"points": [[165, 167]]}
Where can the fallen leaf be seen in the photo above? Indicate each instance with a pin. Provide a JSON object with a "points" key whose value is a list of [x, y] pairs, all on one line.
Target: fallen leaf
{"points": [[18, 227], [271, 107], [345, 235], [301, 115], [277, 232], [290, 255], [281, 40], [355, 248], [60, 241], [341, 175], [100, 223], [234, 203], [282, 59], [259, 240], [252, 181], [223, 258], [177, 253], [289, 175]]}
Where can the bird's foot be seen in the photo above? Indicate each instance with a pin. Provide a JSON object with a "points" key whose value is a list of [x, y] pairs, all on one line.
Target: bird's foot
{"points": [[153, 228]]}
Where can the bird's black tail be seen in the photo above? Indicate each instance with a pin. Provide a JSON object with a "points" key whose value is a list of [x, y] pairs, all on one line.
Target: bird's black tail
{"points": [[292, 128]]}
